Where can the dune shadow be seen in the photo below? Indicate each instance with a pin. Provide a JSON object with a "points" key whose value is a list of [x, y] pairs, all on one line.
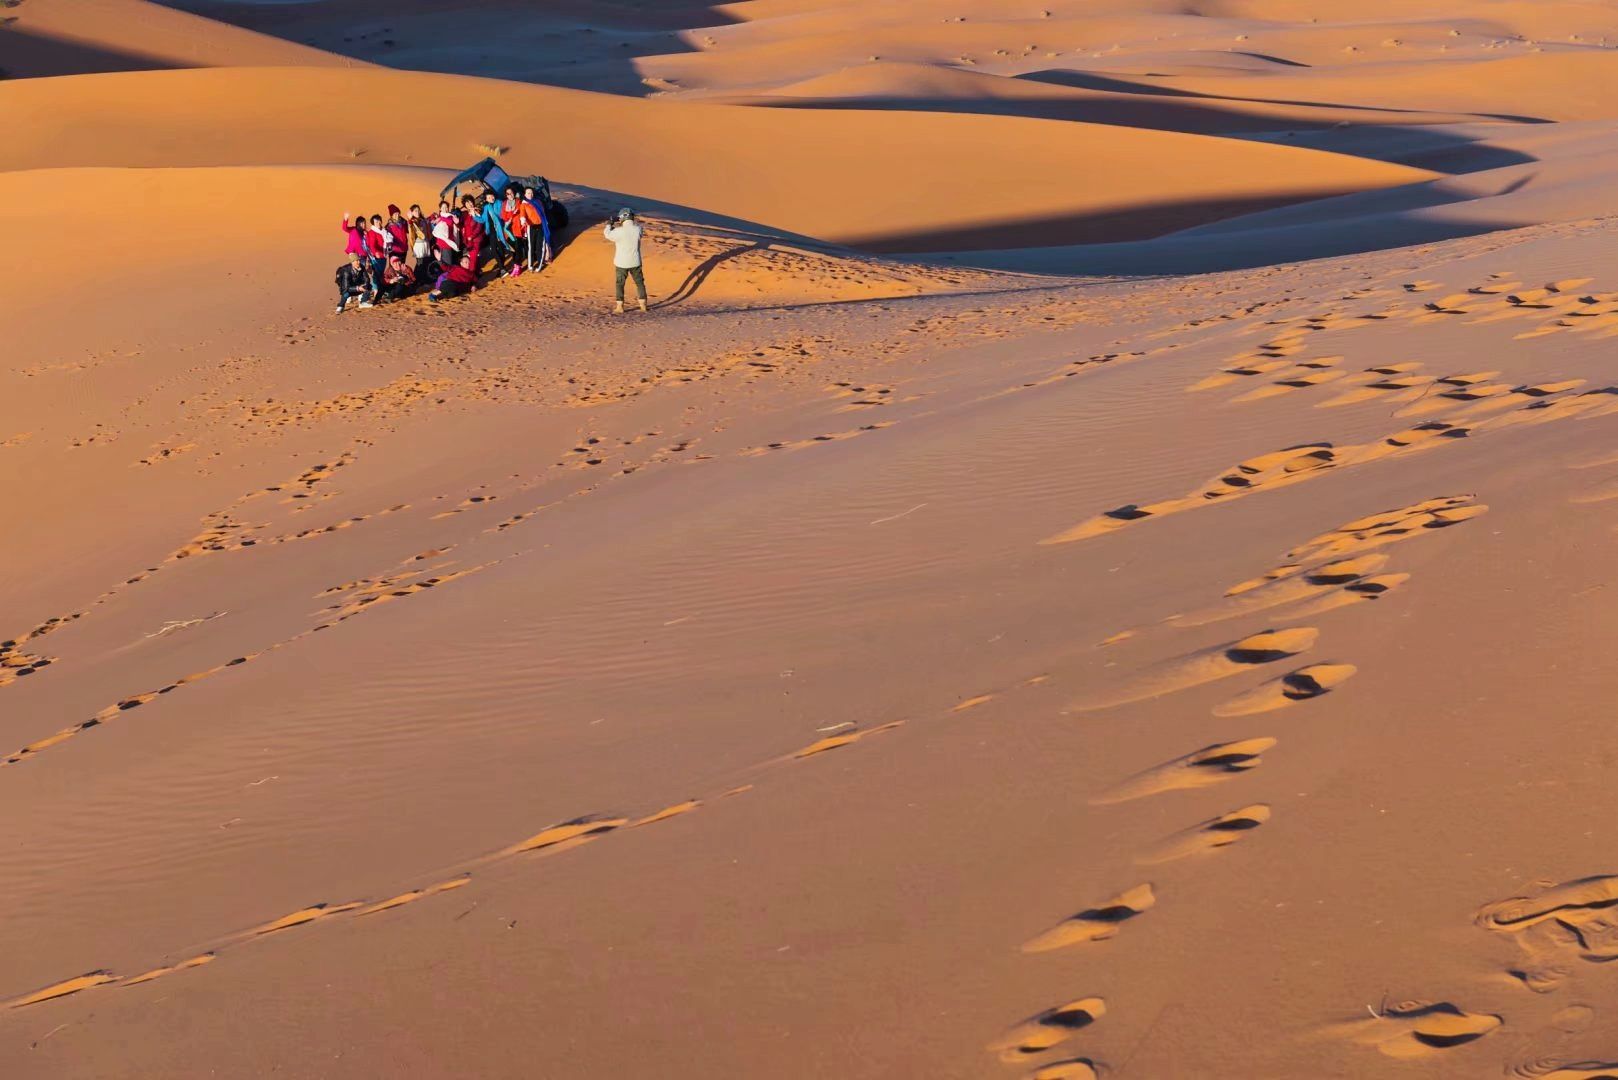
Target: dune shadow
{"points": [[582, 44], [1087, 80], [31, 54]]}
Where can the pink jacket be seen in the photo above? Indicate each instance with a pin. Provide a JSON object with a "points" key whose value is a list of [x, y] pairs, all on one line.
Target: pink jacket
{"points": [[356, 238]]}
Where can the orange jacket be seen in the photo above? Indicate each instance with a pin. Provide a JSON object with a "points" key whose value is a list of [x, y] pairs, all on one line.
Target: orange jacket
{"points": [[519, 218]]}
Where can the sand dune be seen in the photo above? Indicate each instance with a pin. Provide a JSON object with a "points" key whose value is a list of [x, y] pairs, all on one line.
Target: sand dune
{"points": [[860, 665], [812, 183], [75, 37]]}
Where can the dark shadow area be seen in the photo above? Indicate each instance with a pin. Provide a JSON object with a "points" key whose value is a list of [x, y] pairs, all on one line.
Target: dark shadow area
{"points": [[1106, 226], [582, 44], [1085, 80], [28, 54], [700, 273]]}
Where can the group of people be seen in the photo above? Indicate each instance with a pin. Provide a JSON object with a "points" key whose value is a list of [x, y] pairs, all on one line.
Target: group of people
{"points": [[394, 257], [391, 258]]}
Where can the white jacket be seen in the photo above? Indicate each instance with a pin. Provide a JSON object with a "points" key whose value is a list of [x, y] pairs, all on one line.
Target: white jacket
{"points": [[627, 239]]}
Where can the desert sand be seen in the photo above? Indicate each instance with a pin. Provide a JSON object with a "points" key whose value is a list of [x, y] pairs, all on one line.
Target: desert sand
{"points": [[1093, 565]]}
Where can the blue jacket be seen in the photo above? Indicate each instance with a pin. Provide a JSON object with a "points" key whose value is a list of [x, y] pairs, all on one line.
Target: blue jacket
{"points": [[544, 219], [489, 217]]}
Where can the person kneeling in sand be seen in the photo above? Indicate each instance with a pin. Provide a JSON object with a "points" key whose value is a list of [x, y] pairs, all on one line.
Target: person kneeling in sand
{"points": [[353, 282], [458, 279], [624, 232], [398, 280]]}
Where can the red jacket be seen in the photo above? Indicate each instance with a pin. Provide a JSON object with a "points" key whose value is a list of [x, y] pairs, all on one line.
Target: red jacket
{"points": [[460, 275], [471, 231], [376, 243], [398, 237]]}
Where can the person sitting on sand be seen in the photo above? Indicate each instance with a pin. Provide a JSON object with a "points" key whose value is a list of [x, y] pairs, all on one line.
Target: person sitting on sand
{"points": [[624, 232], [353, 283], [398, 280], [458, 279], [540, 247]]}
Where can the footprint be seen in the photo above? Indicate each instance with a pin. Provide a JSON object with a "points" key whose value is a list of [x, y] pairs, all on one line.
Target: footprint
{"points": [[1094, 924], [1419, 1029], [1210, 765], [669, 811], [1208, 666], [835, 742], [302, 918], [1305, 684], [579, 828], [1374, 587], [1210, 835], [158, 973], [63, 989], [1071, 1069], [1557, 1069], [1284, 585], [1051, 1027], [415, 894], [1571, 899]]}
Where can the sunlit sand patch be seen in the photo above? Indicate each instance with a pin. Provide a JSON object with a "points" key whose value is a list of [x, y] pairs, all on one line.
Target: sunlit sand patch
{"points": [[973, 702], [63, 989], [1208, 665], [1071, 1069], [1236, 373], [303, 917], [578, 829], [413, 895], [1305, 684], [847, 738], [157, 973], [1095, 924], [1301, 381], [1047, 1029], [1418, 1029], [1210, 835], [668, 812], [1277, 574]]}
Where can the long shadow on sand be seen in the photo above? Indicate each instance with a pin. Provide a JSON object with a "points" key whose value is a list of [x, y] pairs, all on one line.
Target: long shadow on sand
{"points": [[583, 44], [29, 54]]}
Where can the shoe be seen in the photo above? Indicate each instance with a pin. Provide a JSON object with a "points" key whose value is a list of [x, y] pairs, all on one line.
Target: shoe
{"points": [[339, 309], [643, 303], [366, 304], [618, 308]]}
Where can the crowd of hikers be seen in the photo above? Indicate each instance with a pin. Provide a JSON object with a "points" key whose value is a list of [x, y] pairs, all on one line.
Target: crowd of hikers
{"points": [[395, 257]]}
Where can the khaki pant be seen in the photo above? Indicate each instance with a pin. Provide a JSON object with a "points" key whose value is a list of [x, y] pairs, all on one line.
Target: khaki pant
{"points": [[630, 272]]}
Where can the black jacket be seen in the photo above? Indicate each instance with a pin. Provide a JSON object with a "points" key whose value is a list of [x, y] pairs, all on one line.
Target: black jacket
{"points": [[351, 278]]}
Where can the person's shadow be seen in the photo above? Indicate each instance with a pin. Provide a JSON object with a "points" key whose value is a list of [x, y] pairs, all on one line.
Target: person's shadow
{"points": [[699, 273]]}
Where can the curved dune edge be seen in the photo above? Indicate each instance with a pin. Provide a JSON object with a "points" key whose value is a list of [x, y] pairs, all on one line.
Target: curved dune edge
{"points": [[892, 180]]}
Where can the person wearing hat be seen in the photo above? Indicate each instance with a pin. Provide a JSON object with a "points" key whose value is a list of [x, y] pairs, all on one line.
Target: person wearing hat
{"points": [[624, 232]]}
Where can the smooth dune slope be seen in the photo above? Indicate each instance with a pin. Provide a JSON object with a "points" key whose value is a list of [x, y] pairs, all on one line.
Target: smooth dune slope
{"points": [[73, 37], [861, 665], [902, 182]]}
